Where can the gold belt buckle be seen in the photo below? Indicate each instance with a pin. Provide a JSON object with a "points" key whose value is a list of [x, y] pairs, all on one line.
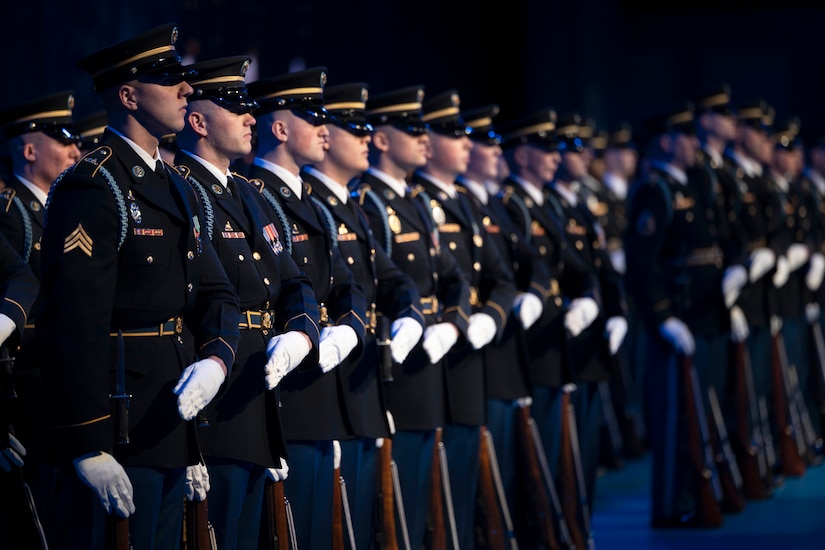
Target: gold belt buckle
{"points": [[266, 319], [372, 318], [473, 296], [178, 325]]}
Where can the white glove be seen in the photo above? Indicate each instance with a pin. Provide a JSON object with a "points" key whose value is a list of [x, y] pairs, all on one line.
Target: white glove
{"points": [[438, 339], [524, 402], [678, 334], [405, 333], [617, 258], [108, 479], [797, 254], [581, 313], [7, 327], [336, 454], [780, 276], [528, 307], [285, 352], [733, 280], [776, 324], [812, 313], [197, 482], [12, 455], [816, 269], [481, 330], [761, 260], [615, 329], [278, 474], [739, 330], [335, 345], [198, 384]]}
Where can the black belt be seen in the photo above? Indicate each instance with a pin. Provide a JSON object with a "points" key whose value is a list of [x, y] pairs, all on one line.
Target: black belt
{"points": [[169, 328], [256, 319]]}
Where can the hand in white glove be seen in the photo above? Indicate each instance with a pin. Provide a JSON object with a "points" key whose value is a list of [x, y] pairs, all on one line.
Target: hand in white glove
{"points": [[738, 325], [524, 402], [7, 327], [797, 254], [335, 345], [780, 276], [776, 324], [615, 329], [285, 352], [438, 339], [816, 269], [761, 261], [197, 482], [617, 258], [198, 384], [733, 280], [405, 333], [108, 479], [677, 333], [581, 313], [481, 330], [528, 308], [812, 313], [278, 474], [336, 454], [12, 456]]}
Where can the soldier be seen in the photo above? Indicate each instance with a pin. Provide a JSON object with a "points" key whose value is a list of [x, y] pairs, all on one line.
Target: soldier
{"points": [[675, 268], [590, 356], [417, 396], [492, 290], [18, 525], [292, 133], [90, 129], [508, 381], [126, 265], [278, 310], [393, 298]]}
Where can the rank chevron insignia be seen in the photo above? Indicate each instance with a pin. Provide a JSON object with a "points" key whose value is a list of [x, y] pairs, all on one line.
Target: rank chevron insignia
{"points": [[78, 239]]}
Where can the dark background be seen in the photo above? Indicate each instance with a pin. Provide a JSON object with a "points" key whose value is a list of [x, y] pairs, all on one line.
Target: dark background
{"points": [[609, 61]]}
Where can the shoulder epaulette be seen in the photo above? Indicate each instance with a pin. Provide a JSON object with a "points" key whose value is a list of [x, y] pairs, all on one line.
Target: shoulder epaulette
{"points": [[416, 190], [7, 195], [91, 163], [183, 170], [258, 184]]}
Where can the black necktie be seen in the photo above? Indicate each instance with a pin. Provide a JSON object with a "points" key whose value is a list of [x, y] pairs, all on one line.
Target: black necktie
{"points": [[232, 187], [160, 169]]}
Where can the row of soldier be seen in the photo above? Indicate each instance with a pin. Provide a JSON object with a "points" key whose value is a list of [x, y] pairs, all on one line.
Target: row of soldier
{"points": [[372, 286]]}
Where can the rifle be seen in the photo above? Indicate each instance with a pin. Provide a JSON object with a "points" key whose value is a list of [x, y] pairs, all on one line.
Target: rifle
{"points": [[540, 484], [791, 446], [708, 510], [750, 442], [198, 533], [813, 444], [502, 497], [572, 475], [614, 432], [770, 452], [386, 536], [819, 347], [274, 528], [385, 352], [630, 421], [337, 511], [491, 536], [118, 527], [436, 531], [729, 474], [448, 494]]}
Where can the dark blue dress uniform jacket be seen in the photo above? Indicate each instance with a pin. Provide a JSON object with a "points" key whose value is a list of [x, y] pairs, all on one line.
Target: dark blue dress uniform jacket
{"points": [[417, 397], [387, 289], [492, 292], [312, 408], [123, 250], [266, 279]]}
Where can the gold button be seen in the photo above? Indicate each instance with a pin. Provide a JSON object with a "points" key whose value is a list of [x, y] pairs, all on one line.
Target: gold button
{"points": [[452, 246], [190, 255], [477, 266], [579, 245], [543, 250], [266, 281], [189, 287], [410, 257], [240, 257], [432, 252], [149, 259], [306, 261], [689, 216], [350, 261], [256, 255], [37, 245]]}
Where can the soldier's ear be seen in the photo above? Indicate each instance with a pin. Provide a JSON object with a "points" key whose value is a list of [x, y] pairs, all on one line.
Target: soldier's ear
{"points": [[380, 140]]}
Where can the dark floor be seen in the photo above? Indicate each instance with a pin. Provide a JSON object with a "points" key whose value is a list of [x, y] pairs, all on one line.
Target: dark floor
{"points": [[793, 519]]}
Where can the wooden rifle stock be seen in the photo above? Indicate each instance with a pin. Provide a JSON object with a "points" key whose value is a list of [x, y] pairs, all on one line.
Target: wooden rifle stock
{"points": [[198, 533], [386, 537], [117, 535], [790, 459], [274, 527], [733, 500], [819, 351], [749, 442], [539, 500], [436, 538], [709, 512], [493, 532], [570, 497]]}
